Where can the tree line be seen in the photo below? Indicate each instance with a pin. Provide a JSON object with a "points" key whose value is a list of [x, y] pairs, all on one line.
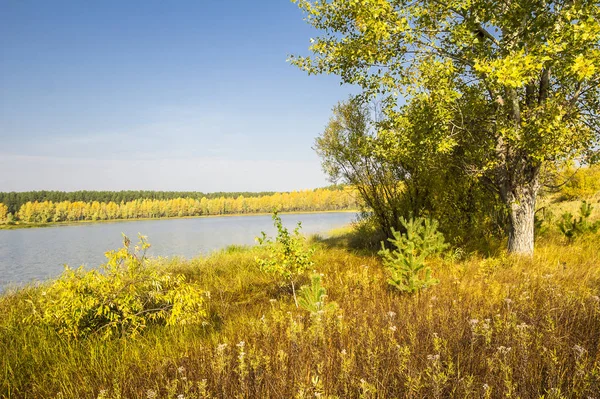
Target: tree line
{"points": [[68, 211], [14, 200]]}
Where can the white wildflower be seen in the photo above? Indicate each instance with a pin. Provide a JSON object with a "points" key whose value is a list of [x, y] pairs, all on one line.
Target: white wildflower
{"points": [[579, 350], [504, 350], [221, 347]]}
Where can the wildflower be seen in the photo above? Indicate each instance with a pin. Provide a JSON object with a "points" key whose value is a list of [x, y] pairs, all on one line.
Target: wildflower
{"points": [[221, 347], [180, 396], [393, 328], [241, 345], [508, 301], [343, 352], [579, 350], [272, 300], [523, 326], [391, 314], [150, 394], [181, 369], [504, 350], [486, 387], [207, 294], [433, 358], [473, 322]]}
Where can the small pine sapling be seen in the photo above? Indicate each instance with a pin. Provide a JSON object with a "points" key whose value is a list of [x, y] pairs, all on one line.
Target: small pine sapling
{"points": [[572, 227], [312, 297], [406, 263]]}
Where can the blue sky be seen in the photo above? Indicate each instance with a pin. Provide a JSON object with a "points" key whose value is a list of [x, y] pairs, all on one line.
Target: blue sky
{"points": [[159, 95]]}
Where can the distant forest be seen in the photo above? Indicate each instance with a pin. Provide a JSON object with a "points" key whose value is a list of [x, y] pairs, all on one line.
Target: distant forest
{"points": [[47, 210], [14, 200]]}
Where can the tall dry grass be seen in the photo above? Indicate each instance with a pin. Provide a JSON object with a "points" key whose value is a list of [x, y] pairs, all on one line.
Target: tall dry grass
{"points": [[494, 327]]}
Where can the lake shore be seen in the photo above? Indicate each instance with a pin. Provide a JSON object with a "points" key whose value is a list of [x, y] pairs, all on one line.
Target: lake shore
{"points": [[21, 225]]}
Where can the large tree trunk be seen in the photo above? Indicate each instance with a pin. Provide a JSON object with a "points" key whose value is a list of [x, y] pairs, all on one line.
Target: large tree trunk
{"points": [[519, 189], [522, 220]]}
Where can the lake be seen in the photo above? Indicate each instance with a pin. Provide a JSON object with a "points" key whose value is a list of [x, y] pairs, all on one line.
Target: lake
{"points": [[35, 254]]}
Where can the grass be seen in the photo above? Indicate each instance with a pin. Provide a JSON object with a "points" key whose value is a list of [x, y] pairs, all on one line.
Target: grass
{"points": [[494, 327], [20, 225]]}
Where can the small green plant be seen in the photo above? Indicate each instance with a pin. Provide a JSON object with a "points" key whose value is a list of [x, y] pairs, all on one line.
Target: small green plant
{"points": [[572, 227], [312, 297], [406, 263], [288, 256], [121, 298]]}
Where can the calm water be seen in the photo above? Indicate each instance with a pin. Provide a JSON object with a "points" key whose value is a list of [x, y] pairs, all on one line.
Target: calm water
{"points": [[36, 254]]}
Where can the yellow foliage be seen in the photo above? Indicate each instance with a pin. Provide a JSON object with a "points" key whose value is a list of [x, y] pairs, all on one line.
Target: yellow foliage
{"points": [[3, 212], [307, 200]]}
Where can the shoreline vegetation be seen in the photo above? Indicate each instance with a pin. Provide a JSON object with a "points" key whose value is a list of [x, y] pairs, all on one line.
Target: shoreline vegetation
{"points": [[19, 225], [489, 324], [40, 211]]}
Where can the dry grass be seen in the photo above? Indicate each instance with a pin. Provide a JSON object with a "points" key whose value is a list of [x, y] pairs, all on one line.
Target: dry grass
{"points": [[495, 327]]}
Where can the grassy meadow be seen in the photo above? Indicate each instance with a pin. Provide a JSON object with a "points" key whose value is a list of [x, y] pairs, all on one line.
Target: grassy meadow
{"points": [[495, 326]]}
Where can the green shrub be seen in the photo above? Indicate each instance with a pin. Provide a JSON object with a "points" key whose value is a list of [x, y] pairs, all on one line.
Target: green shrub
{"points": [[406, 263], [121, 298], [288, 256]]}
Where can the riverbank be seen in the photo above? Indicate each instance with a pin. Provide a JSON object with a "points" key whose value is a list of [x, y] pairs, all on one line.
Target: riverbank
{"points": [[22, 225], [495, 326]]}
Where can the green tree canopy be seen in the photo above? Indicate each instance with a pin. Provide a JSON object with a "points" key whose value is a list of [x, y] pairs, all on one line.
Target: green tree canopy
{"points": [[512, 87]]}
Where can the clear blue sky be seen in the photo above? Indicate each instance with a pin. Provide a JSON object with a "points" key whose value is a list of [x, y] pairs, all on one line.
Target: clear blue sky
{"points": [[159, 95]]}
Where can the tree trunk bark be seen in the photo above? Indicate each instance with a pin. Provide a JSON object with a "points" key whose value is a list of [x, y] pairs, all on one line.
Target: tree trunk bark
{"points": [[521, 203]]}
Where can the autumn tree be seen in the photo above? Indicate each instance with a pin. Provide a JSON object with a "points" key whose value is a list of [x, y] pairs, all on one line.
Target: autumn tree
{"points": [[512, 86], [3, 212], [347, 148]]}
